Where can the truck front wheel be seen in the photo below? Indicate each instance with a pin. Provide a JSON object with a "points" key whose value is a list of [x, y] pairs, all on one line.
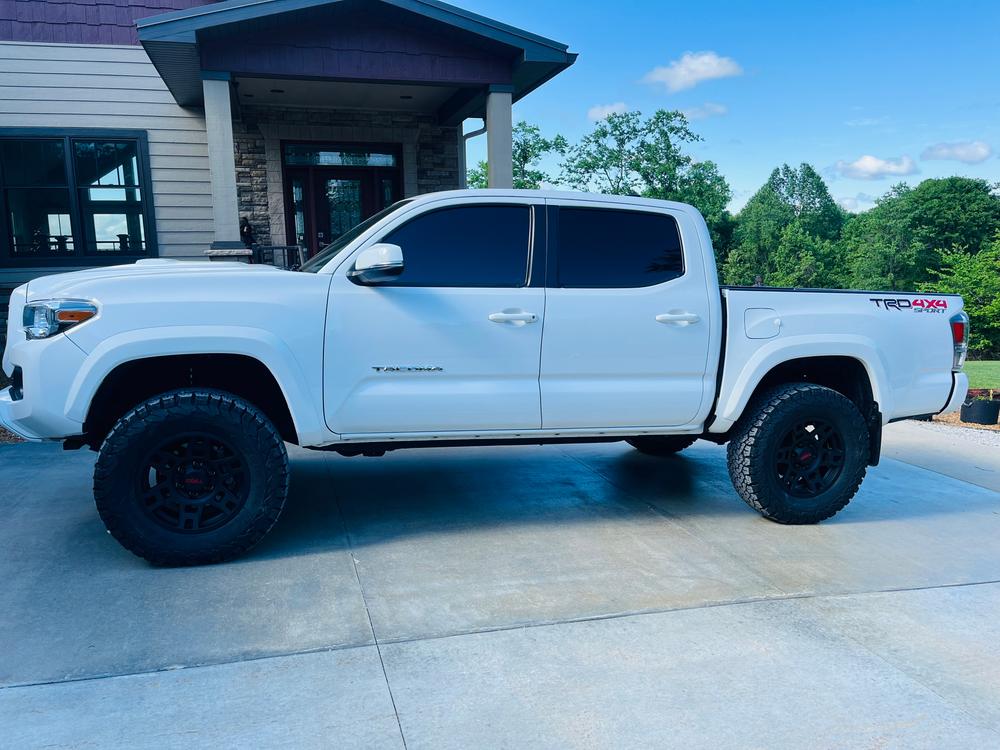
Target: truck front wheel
{"points": [[190, 477], [799, 453]]}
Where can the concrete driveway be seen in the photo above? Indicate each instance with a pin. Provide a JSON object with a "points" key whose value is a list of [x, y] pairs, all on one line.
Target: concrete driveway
{"points": [[557, 597]]}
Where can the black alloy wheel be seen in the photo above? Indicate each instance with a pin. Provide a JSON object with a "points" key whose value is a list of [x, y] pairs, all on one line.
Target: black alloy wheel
{"points": [[798, 453], [809, 458], [190, 477], [193, 483]]}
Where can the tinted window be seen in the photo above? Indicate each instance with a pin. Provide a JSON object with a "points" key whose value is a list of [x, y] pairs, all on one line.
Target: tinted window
{"points": [[608, 248], [465, 246], [93, 204]]}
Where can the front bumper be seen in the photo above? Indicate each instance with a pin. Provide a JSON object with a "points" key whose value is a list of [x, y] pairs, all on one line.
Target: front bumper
{"points": [[48, 368], [959, 391], [8, 418]]}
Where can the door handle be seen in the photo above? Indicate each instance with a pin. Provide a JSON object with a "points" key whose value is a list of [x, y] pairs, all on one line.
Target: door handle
{"points": [[681, 319], [518, 317]]}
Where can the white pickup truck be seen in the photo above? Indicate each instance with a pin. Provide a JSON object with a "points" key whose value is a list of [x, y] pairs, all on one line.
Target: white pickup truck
{"points": [[462, 318]]}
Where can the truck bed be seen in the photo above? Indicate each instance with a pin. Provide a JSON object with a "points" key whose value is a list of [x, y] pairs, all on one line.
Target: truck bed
{"points": [[903, 339]]}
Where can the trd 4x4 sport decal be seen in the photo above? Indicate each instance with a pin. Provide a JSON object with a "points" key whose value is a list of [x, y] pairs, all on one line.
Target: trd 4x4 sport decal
{"points": [[916, 305]]}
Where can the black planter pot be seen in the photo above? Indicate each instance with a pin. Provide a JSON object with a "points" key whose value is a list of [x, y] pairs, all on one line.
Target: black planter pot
{"points": [[981, 411]]}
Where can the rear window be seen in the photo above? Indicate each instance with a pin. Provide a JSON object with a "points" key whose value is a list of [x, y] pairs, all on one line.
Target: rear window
{"points": [[607, 248]]}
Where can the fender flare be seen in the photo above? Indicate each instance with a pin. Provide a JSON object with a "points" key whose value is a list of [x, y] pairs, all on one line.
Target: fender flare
{"points": [[257, 343], [737, 388]]}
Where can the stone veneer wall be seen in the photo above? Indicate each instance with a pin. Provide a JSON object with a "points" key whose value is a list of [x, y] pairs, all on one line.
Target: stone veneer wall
{"points": [[430, 154]]}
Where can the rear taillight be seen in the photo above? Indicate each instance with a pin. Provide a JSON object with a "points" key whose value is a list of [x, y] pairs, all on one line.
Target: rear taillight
{"points": [[960, 338]]}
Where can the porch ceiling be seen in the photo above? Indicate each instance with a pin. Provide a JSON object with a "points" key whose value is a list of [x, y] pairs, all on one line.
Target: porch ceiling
{"points": [[357, 42], [291, 92]]}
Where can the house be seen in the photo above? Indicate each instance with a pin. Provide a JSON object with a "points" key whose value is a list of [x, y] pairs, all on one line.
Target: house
{"points": [[139, 128]]}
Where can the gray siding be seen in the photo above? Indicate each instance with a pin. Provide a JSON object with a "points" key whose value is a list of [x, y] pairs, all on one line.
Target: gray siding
{"points": [[96, 86]]}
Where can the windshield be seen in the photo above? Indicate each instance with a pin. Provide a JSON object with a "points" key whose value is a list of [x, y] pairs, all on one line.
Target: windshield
{"points": [[321, 258]]}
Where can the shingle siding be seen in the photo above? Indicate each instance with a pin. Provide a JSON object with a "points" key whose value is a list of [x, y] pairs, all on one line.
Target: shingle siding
{"points": [[81, 21], [78, 86]]}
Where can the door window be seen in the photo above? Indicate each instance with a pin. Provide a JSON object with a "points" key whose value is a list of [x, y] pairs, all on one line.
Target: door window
{"points": [[606, 248], [468, 246]]}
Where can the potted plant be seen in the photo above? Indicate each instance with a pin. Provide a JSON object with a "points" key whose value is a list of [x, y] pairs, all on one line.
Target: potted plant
{"points": [[981, 407]]}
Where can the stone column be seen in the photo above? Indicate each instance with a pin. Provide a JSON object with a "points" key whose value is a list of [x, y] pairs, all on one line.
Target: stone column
{"points": [[500, 137], [222, 162]]}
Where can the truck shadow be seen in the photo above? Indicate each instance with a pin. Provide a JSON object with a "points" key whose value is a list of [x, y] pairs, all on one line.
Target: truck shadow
{"points": [[335, 501], [338, 502]]}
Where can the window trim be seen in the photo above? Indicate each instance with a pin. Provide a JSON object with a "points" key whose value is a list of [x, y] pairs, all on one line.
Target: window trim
{"points": [[552, 265], [80, 257], [536, 243]]}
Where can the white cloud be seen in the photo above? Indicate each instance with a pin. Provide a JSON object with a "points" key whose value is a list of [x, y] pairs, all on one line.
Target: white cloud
{"points": [[866, 122], [708, 109], [858, 203], [969, 152], [692, 69], [600, 111], [870, 167]]}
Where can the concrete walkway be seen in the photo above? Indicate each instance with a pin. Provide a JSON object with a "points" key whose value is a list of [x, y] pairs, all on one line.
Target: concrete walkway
{"points": [[576, 597]]}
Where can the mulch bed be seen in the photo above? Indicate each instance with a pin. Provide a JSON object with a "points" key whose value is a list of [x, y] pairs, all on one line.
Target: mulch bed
{"points": [[953, 419], [6, 437]]}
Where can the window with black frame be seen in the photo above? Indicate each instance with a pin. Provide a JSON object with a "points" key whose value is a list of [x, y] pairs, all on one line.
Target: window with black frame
{"points": [[73, 199]]}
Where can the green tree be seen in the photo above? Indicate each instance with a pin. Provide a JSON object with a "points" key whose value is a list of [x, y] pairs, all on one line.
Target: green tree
{"points": [[764, 240], [605, 160], [529, 146], [758, 231], [805, 192], [627, 155], [901, 242], [880, 246], [478, 177], [801, 259], [954, 213], [976, 276]]}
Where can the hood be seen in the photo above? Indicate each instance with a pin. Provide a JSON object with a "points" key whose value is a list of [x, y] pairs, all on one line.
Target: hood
{"points": [[73, 284]]}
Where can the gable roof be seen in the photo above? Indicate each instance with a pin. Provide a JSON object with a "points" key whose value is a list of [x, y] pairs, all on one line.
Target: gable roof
{"points": [[172, 39]]}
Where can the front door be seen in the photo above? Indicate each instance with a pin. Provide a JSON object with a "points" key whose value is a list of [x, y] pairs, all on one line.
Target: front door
{"points": [[329, 189], [627, 321], [450, 345]]}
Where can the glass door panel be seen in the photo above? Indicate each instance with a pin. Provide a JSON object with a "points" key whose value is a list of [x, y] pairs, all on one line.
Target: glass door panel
{"points": [[343, 206]]}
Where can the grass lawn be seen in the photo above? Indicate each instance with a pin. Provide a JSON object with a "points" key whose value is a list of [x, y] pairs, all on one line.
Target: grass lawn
{"points": [[984, 374]]}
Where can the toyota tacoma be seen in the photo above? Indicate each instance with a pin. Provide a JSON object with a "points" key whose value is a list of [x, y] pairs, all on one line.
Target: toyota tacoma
{"points": [[462, 318]]}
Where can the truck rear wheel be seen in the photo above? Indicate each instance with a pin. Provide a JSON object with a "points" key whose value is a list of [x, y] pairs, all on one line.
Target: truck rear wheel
{"points": [[190, 477], [799, 453], [661, 445]]}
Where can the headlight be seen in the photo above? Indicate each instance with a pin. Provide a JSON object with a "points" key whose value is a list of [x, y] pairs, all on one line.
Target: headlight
{"points": [[49, 317]]}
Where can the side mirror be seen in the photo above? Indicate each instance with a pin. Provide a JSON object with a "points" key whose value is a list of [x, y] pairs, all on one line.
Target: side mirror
{"points": [[377, 264]]}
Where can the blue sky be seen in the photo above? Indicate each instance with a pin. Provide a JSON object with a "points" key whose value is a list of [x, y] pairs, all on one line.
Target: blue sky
{"points": [[825, 83]]}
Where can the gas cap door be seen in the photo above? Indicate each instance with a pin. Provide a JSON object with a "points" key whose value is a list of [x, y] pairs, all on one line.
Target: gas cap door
{"points": [[761, 323]]}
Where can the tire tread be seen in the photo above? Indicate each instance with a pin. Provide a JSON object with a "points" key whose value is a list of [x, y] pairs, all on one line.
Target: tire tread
{"points": [[746, 461], [177, 404]]}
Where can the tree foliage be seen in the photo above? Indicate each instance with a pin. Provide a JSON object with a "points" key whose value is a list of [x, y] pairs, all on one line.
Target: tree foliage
{"points": [[902, 241], [528, 148], [627, 155], [976, 276], [792, 212]]}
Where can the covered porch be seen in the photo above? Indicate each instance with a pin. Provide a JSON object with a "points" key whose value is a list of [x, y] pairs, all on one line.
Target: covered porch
{"points": [[321, 112]]}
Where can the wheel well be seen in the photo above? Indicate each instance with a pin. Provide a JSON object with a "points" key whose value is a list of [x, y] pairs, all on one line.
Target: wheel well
{"points": [[133, 382], [845, 375]]}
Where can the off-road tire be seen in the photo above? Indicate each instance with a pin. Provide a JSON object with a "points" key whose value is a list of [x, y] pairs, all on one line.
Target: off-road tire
{"points": [[661, 445], [118, 488], [753, 450]]}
